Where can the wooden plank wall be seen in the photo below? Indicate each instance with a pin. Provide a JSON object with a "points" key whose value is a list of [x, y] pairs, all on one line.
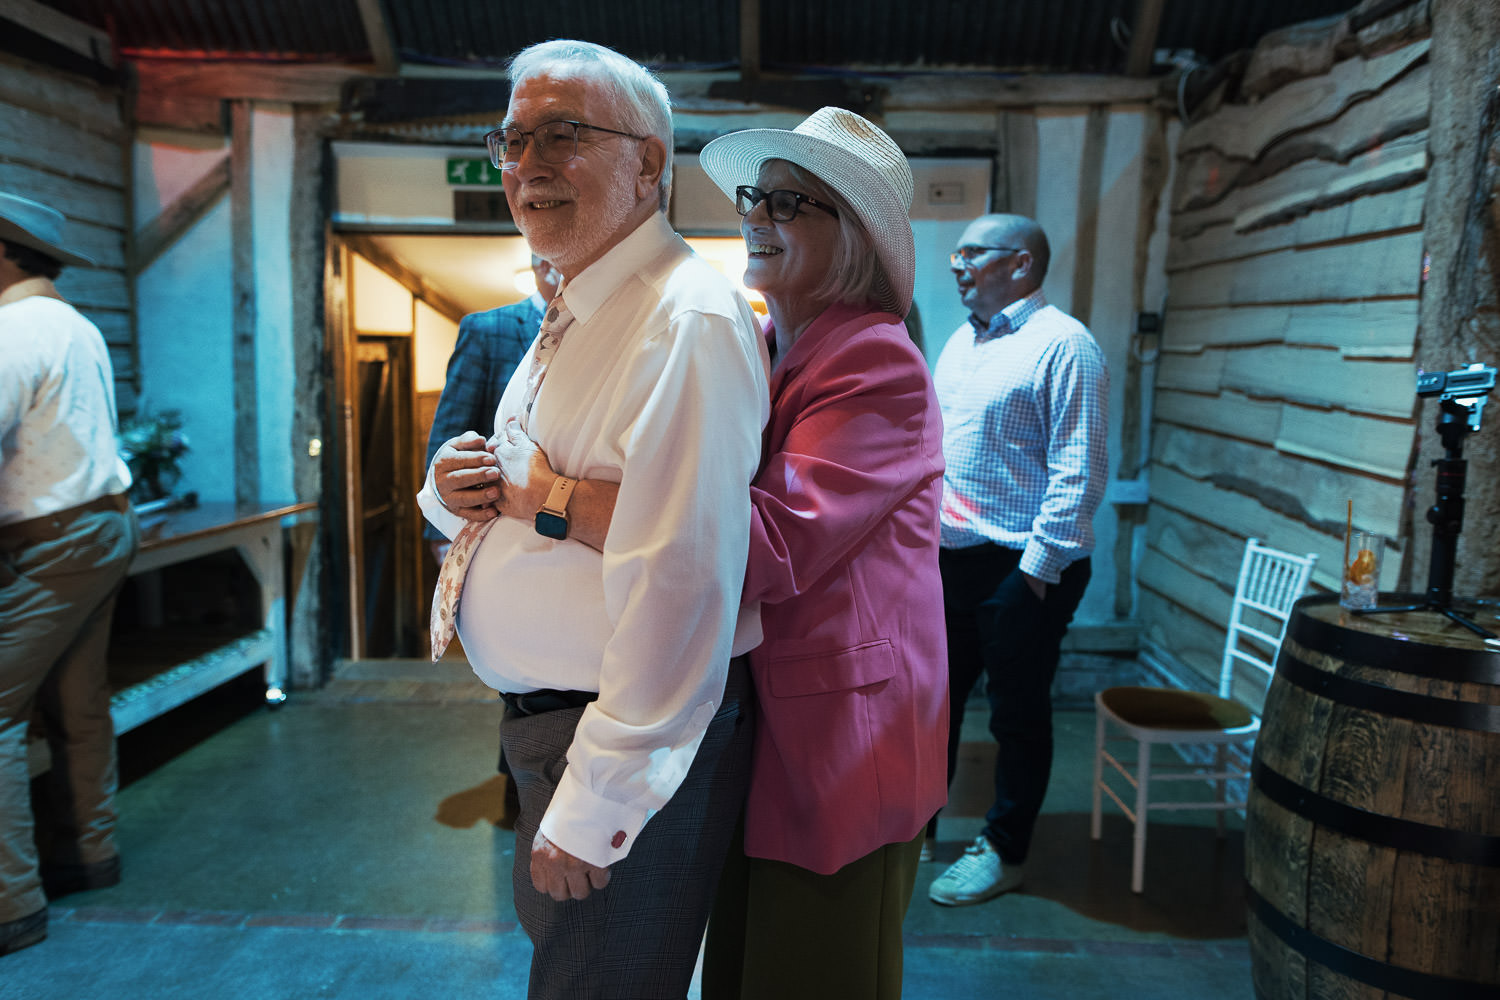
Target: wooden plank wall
{"points": [[64, 142], [1285, 380]]}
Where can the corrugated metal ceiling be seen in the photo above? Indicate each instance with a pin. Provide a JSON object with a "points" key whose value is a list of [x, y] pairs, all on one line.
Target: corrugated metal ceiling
{"points": [[1070, 36]]}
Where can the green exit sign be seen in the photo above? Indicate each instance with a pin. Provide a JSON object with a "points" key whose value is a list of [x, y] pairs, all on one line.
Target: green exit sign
{"points": [[475, 170]]}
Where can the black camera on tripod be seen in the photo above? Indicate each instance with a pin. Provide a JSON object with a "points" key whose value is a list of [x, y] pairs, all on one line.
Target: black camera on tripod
{"points": [[1476, 378], [1461, 397], [1465, 387]]}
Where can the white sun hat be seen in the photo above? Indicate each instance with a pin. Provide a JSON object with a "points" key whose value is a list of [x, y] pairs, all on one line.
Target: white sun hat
{"points": [[854, 158], [28, 223]]}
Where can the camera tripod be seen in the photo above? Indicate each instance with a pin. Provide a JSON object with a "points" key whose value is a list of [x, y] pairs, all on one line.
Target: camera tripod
{"points": [[1456, 419]]}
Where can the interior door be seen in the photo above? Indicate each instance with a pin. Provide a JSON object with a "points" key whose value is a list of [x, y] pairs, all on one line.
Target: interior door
{"points": [[374, 380], [383, 391]]}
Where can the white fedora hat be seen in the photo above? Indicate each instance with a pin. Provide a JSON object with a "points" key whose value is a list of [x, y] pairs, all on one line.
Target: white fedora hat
{"points": [[850, 155], [31, 224]]}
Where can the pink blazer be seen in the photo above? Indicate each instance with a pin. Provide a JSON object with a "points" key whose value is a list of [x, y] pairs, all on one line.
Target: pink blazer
{"points": [[852, 678]]}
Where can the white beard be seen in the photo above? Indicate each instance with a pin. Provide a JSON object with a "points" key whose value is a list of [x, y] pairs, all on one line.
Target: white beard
{"points": [[586, 234]]}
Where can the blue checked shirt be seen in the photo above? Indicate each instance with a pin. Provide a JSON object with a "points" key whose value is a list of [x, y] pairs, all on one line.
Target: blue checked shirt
{"points": [[1024, 435]]}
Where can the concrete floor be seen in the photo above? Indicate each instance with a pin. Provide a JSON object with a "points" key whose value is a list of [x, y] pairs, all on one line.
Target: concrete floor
{"points": [[344, 846]]}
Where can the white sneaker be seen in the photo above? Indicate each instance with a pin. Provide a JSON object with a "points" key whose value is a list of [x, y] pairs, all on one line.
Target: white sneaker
{"points": [[975, 877], [928, 846]]}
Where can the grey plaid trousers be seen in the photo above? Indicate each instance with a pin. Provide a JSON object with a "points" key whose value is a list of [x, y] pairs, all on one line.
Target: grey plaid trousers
{"points": [[638, 938]]}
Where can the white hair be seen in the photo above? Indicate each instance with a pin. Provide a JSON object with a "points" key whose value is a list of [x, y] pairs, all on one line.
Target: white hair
{"points": [[639, 97]]}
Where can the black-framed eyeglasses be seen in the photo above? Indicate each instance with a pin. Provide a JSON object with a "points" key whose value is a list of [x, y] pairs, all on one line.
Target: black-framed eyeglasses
{"points": [[556, 142], [965, 256], [782, 204]]}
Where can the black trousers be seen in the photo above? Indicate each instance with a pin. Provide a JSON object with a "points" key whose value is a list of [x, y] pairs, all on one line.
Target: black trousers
{"points": [[997, 625]]}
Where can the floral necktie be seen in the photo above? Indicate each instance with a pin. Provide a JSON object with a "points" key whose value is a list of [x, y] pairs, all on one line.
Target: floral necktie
{"points": [[450, 584]]}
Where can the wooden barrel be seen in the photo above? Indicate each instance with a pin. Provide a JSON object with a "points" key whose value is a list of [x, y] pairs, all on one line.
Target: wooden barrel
{"points": [[1372, 833]]}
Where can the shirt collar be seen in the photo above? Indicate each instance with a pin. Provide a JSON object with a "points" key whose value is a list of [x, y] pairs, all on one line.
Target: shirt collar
{"points": [[1010, 319], [27, 287], [587, 292]]}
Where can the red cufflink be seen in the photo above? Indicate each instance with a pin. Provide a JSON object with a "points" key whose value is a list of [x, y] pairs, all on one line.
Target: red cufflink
{"points": [[619, 839]]}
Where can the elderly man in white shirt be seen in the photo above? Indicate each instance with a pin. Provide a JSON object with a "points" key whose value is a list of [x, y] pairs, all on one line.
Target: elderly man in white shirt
{"points": [[67, 535], [624, 726]]}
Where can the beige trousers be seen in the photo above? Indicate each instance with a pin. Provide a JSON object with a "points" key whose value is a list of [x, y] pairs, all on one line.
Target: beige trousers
{"points": [[59, 576]]}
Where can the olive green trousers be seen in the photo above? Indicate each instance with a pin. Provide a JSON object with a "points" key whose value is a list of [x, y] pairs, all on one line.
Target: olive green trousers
{"points": [[780, 932]]}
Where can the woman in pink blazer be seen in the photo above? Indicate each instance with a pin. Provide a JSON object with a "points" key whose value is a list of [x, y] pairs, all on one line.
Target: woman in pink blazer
{"points": [[850, 750]]}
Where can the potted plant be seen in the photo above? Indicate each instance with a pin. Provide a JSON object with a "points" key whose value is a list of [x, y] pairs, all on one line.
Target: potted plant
{"points": [[152, 445]]}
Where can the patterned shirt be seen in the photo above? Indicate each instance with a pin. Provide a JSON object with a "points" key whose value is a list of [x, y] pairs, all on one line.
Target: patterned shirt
{"points": [[1024, 434]]}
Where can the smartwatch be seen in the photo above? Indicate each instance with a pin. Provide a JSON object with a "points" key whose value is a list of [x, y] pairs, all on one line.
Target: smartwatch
{"points": [[552, 519]]}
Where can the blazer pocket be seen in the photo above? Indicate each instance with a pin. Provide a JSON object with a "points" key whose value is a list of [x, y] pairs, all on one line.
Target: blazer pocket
{"points": [[793, 675]]}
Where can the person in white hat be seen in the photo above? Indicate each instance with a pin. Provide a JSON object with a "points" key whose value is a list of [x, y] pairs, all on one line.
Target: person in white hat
{"points": [[67, 535], [851, 736]]}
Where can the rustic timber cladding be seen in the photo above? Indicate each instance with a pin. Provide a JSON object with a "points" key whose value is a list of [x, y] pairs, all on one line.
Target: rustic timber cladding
{"points": [[1285, 383], [63, 142]]}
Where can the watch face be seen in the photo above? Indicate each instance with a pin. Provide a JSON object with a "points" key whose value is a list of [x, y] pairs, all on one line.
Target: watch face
{"points": [[551, 525]]}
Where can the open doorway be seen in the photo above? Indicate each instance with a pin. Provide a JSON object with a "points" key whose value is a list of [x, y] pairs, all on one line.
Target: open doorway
{"points": [[395, 302]]}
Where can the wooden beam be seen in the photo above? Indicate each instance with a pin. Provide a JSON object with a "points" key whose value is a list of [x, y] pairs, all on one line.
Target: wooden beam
{"points": [[308, 638], [84, 39], [378, 33], [941, 91], [298, 83], [413, 282], [1136, 386], [1143, 35], [179, 112], [950, 93], [749, 41], [1086, 233], [242, 239], [172, 222], [1014, 186]]}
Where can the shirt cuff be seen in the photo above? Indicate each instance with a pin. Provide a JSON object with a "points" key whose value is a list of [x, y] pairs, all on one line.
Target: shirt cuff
{"points": [[439, 516], [590, 827], [1042, 562]]}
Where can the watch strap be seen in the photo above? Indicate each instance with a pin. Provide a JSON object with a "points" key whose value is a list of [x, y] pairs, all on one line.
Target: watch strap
{"points": [[557, 499]]}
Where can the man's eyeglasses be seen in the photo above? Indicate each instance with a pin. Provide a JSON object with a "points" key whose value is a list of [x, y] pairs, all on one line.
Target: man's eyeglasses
{"points": [[555, 142], [782, 204], [965, 256]]}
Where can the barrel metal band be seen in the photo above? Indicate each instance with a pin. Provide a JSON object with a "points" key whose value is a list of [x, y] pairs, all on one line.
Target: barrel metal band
{"points": [[1384, 831], [1367, 970], [1446, 663], [1388, 701]]}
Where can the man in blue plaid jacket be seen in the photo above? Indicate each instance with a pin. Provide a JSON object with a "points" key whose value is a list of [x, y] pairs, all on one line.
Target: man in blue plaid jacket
{"points": [[490, 345]]}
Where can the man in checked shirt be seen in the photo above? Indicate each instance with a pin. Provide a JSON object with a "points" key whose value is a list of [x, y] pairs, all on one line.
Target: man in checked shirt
{"points": [[1023, 390]]}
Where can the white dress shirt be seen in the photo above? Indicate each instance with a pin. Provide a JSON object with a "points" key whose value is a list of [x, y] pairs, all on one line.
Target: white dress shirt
{"points": [[660, 384], [1025, 435], [57, 407]]}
